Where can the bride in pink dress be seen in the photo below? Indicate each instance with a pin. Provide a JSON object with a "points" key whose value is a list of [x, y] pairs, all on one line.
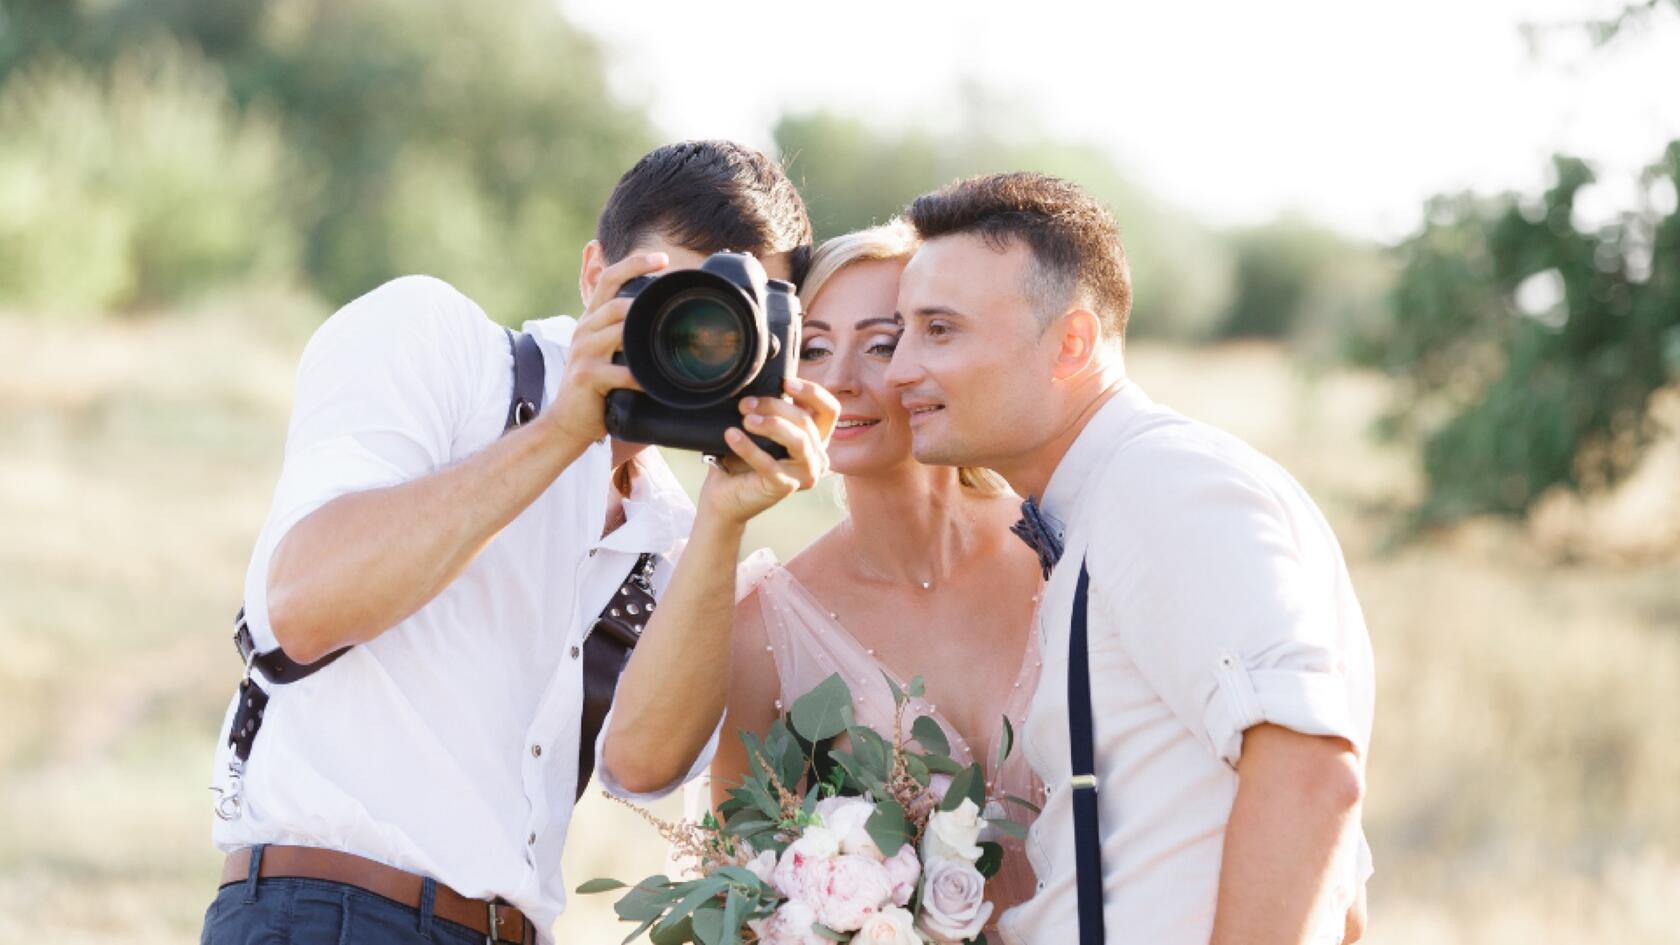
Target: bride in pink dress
{"points": [[923, 578]]}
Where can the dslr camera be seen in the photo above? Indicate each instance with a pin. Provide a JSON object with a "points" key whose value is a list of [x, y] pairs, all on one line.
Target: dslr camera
{"points": [[699, 341]]}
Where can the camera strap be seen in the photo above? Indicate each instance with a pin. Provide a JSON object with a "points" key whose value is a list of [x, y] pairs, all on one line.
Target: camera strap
{"points": [[606, 649], [607, 645]]}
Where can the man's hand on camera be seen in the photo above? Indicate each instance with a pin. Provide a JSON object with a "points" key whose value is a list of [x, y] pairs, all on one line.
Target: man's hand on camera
{"points": [[751, 480], [580, 409]]}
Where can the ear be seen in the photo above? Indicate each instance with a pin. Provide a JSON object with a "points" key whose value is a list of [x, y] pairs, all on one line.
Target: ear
{"points": [[1081, 334], [589, 274]]}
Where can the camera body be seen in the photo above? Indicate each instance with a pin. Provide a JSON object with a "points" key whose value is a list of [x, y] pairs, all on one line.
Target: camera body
{"points": [[698, 341]]}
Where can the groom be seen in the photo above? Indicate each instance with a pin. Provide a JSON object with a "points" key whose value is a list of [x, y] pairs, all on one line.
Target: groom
{"points": [[1229, 667]]}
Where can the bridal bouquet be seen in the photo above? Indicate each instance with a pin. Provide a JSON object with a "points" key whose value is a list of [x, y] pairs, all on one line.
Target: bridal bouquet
{"points": [[884, 847]]}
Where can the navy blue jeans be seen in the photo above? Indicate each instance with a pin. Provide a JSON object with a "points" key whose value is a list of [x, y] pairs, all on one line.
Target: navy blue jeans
{"points": [[281, 910]]}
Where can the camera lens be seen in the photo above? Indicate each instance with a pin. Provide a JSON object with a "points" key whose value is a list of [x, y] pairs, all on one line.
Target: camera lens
{"points": [[699, 340]]}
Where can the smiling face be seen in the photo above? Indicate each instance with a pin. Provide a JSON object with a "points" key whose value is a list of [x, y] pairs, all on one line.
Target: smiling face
{"points": [[974, 366], [847, 342]]}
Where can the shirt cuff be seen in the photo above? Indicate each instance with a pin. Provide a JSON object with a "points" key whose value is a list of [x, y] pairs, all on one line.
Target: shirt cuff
{"points": [[1312, 702], [613, 787]]}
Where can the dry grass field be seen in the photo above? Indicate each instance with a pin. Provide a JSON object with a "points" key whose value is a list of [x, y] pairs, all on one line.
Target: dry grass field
{"points": [[1525, 776]]}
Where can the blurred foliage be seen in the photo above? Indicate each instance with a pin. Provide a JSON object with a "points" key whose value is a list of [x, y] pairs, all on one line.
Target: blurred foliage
{"points": [[137, 186], [1529, 342], [473, 142], [1295, 279], [854, 175]]}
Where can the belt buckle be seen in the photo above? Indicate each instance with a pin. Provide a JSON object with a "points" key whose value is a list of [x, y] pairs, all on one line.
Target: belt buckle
{"points": [[490, 935]]}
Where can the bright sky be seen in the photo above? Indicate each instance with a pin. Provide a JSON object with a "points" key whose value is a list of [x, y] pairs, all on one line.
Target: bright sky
{"points": [[1351, 112]]}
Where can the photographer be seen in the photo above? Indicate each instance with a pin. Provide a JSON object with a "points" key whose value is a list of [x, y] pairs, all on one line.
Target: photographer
{"points": [[420, 604]]}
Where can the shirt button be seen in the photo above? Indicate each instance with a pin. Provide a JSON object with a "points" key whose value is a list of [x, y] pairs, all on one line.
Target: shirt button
{"points": [[536, 751], [574, 652], [531, 840], [592, 552]]}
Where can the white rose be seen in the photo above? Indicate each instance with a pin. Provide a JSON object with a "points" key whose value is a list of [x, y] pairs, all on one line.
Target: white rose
{"points": [[815, 846], [953, 901], [951, 834], [890, 926], [847, 817]]}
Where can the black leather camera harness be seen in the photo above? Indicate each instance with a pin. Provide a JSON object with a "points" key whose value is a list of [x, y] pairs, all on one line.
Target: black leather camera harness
{"points": [[606, 648]]}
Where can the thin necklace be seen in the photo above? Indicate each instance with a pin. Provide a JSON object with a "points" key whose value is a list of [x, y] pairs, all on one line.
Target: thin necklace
{"points": [[864, 565]]}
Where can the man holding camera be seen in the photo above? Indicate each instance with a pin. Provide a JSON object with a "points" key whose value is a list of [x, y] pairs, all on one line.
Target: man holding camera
{"points": [[452, 573]]}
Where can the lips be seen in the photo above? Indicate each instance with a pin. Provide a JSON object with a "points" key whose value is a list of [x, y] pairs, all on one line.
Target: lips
{"points": [[851, 425], [920, 410]]}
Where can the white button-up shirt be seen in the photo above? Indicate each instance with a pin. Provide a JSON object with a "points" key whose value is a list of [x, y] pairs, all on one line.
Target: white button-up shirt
{"points": [[446, 746], [1219, 600]]}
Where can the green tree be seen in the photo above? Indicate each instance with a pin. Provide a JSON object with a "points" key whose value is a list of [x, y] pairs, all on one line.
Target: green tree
{"points": [[1540, 341], [475, 142]]}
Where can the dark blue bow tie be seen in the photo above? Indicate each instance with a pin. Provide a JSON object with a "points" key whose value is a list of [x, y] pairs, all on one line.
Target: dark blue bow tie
{"points": [[1036, 531]]}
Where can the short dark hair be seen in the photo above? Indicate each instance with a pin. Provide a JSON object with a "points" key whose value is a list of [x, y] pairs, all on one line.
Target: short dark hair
{"points": [[708, 196], [1073, 239]]}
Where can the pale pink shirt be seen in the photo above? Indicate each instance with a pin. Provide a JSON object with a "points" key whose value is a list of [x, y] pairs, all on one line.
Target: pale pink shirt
{"points": [[1219, 600], [809, 645]]}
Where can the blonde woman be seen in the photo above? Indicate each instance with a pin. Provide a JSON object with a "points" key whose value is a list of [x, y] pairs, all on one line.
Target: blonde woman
{"points": [[923, 577]]}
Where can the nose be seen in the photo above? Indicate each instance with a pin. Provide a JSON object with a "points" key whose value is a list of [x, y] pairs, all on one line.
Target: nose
{"points": [[905, 369], [842, 377]]}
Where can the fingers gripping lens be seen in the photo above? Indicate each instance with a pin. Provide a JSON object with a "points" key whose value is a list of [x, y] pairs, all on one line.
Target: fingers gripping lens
{"points": [[699, 341]]}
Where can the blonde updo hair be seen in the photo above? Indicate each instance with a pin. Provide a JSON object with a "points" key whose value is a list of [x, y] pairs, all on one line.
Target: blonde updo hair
{"points": [[892, 240]]}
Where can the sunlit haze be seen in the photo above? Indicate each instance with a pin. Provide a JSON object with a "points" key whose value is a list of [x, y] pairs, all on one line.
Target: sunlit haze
{"points": [[1351, 113]]}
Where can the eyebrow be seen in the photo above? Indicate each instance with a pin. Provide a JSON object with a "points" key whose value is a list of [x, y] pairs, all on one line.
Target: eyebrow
{"points": [[930, 311], [892, 319]]}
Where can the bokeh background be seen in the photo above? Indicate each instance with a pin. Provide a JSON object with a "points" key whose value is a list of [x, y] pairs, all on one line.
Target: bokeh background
{"points": [[1425, 254]]}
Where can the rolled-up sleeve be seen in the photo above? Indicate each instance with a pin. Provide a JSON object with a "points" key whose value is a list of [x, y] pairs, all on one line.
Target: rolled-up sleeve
{"points": [[1224, 594], [382, 389], [612, 785]]}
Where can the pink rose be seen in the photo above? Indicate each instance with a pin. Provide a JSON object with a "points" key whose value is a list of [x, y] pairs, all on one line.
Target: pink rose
{"points": [[792, 875], [890, 926], [903, 868], [790, 924], [953, 901], [848, 817], [848, 889]]}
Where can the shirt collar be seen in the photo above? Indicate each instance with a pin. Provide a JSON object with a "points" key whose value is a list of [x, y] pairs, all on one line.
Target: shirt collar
{"points": [[657, 513], [1094, 444]]}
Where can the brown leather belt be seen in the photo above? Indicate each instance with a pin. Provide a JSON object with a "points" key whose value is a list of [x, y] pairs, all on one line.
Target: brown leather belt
{"points": [[381, 880]]}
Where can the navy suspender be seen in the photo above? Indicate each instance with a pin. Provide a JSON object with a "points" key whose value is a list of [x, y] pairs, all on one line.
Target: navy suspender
{"points": [[1087, 838]]}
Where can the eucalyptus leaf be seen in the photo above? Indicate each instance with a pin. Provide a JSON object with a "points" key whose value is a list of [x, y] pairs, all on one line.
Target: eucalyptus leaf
{"points": [[1008, 740], [824, 711], [897, 690], [871, 751], [917, 688], [599, 886], [991, 858], [941, 764], [1029, 805], [674, 933], [829, 933], [708, 925], [968, 783], [736, 907], [1009, 828], [930, 735], [918, 769], [888, 827]]}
